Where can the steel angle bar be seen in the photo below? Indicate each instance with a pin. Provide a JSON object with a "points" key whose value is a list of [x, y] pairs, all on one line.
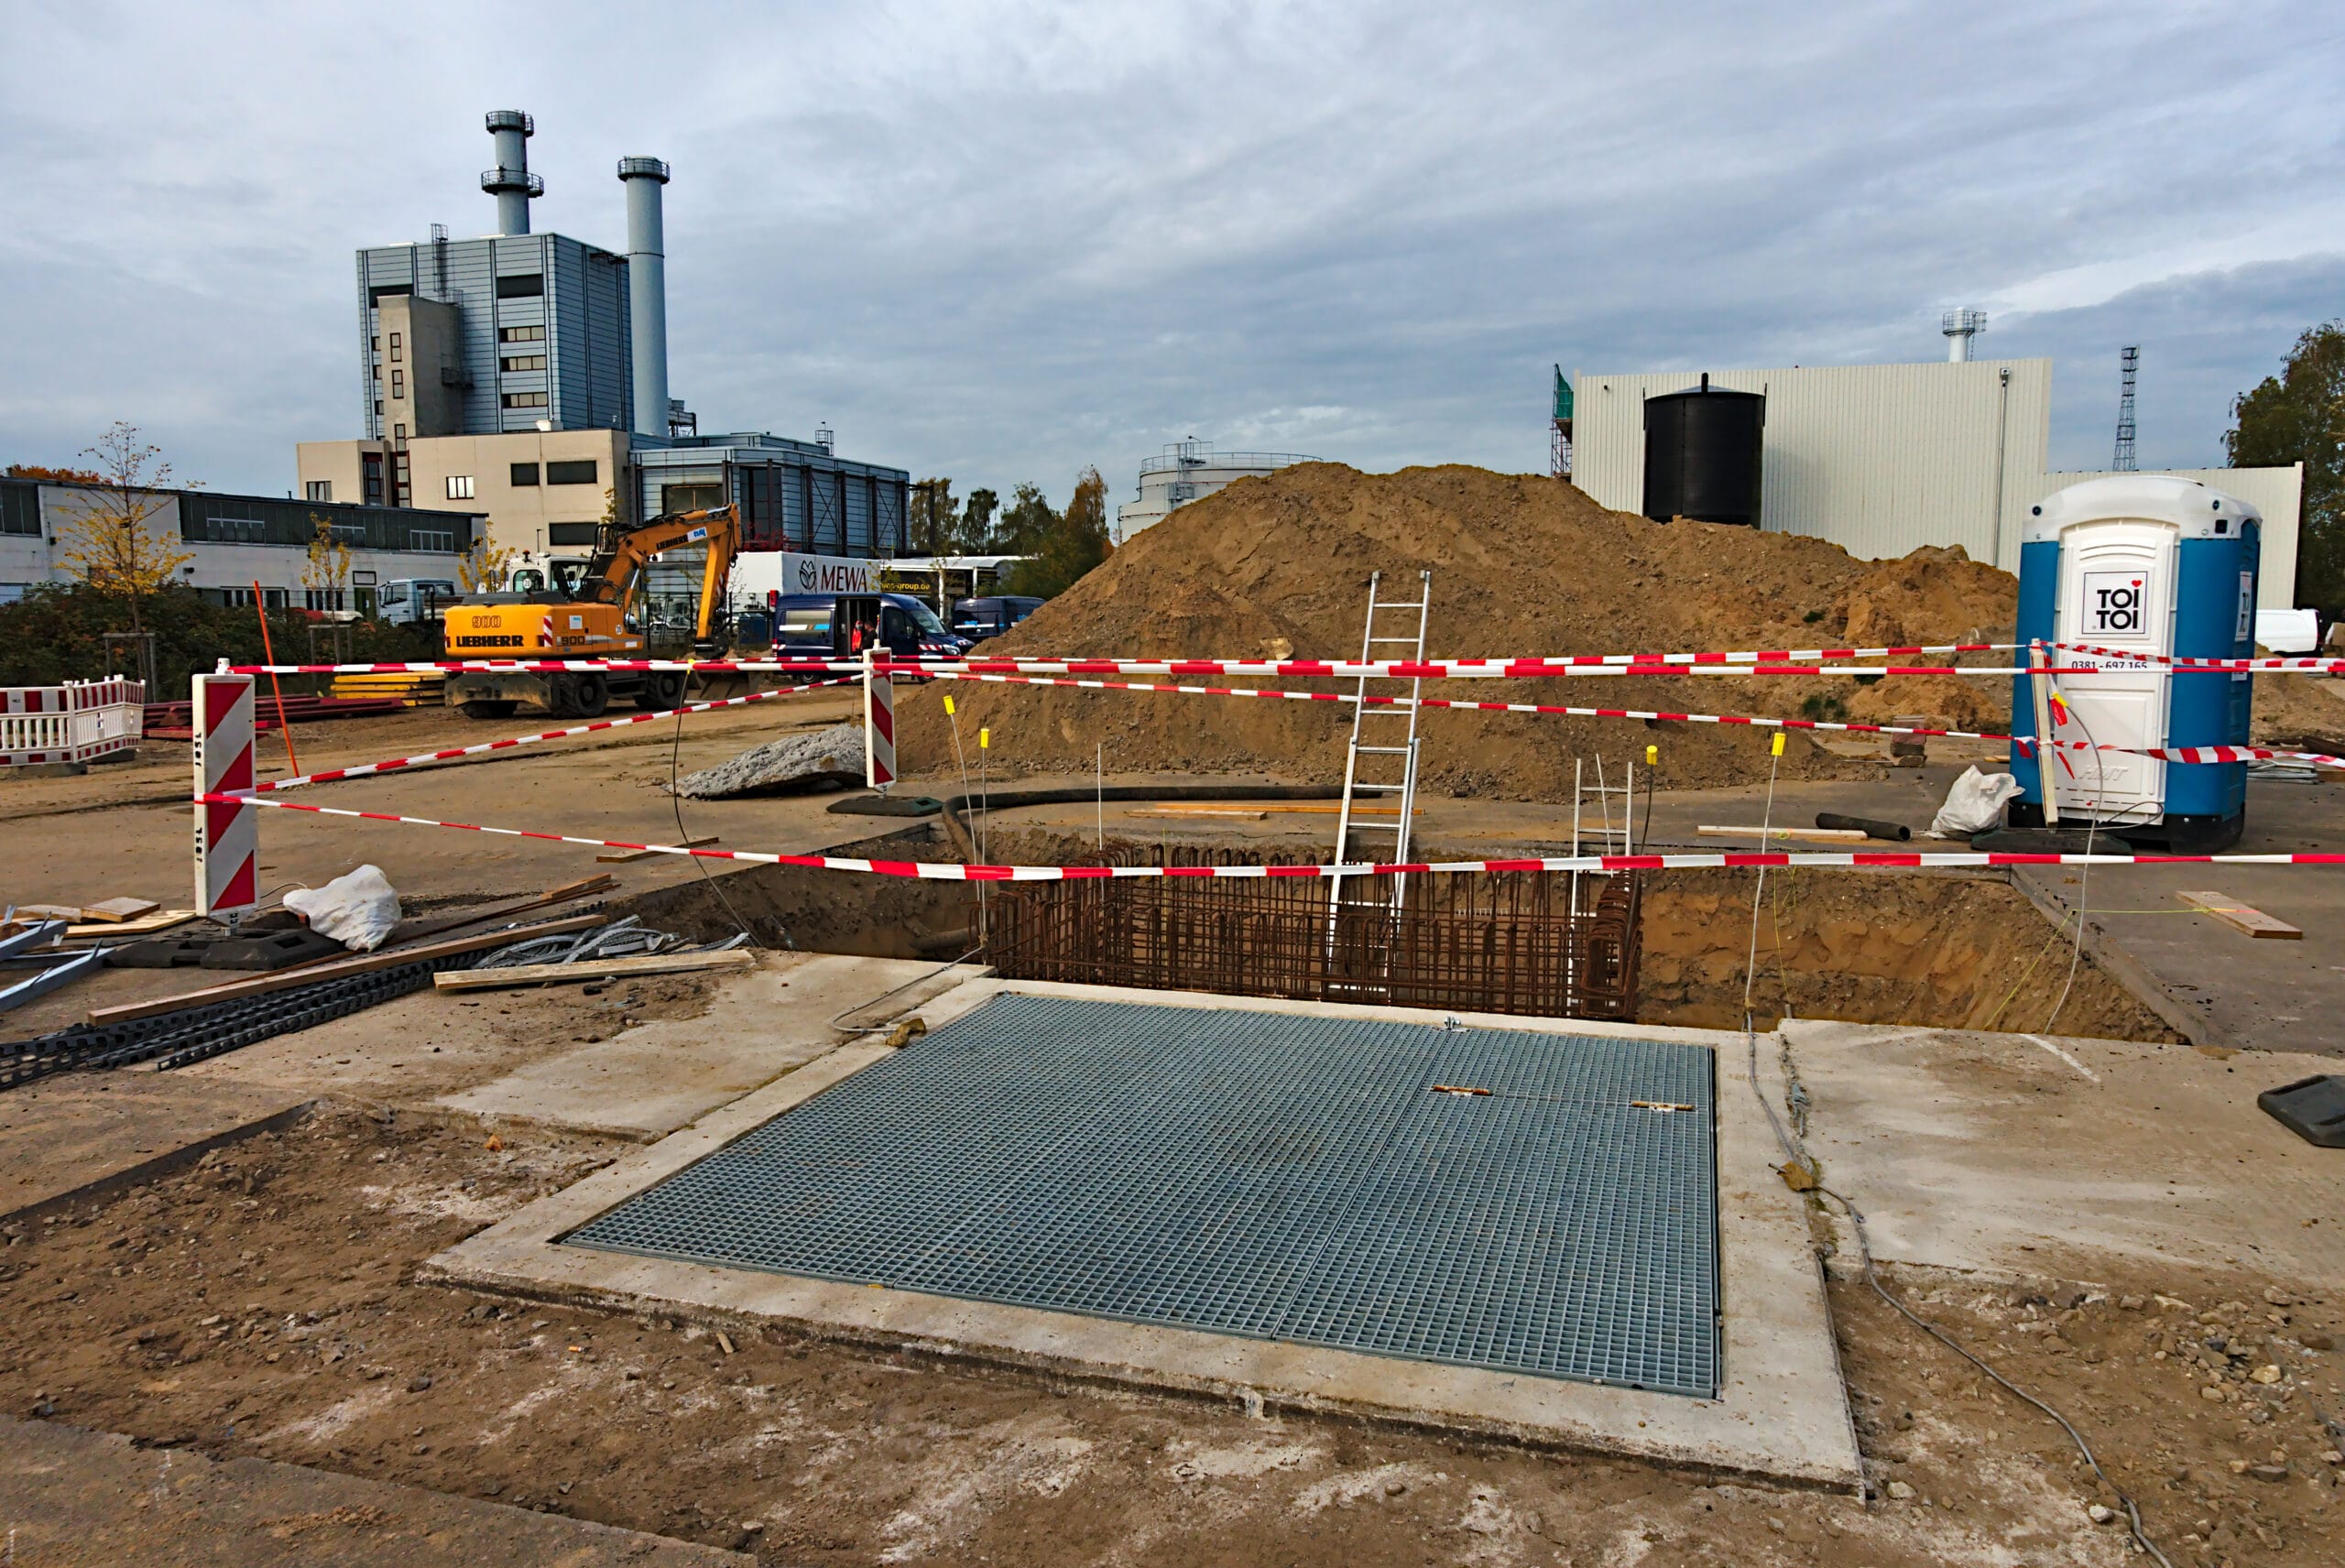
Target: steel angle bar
{"points": [[50, 979]]}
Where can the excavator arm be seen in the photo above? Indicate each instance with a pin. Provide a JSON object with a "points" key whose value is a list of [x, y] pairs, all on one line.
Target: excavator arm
{"points": [[617, 566]]}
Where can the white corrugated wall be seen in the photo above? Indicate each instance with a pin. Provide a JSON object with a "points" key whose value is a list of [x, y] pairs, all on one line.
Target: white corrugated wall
{"points": [[1879, 459]]}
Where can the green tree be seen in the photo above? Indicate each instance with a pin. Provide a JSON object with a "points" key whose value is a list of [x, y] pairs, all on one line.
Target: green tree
{"points": [[2298, 416], [976, 522], [936, 517], [1075, 543], [1025, 522], [108, 543]]}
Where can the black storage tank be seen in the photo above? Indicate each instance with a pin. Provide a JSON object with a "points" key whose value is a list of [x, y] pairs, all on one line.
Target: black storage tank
{"points": [[1702, 454]]}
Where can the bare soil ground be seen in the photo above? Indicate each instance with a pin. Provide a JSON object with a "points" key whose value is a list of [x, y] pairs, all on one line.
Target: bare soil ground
{"points": [[260, 1304]]}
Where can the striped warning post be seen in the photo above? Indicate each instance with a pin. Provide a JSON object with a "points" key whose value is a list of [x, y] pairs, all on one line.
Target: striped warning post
{"points": [[227, 828], [879, 725]]}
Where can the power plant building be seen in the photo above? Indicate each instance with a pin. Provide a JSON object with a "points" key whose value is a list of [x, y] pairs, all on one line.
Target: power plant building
{"points": [[1885, 459], [524, 376]]}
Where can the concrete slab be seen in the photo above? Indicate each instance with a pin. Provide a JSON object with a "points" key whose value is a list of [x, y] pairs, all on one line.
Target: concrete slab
{"points": [[2217, 985], [1782, 1413], [71, 1495], [651, 1080], [2002, 1151], [78, 1134]]}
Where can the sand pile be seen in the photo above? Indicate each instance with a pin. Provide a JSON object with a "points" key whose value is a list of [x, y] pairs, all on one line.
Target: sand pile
{"points": [[1278, 566]]}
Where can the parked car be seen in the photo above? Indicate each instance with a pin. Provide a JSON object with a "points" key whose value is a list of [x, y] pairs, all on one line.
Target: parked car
{"points": [[404, 601], [989, 617], [840, 626]]}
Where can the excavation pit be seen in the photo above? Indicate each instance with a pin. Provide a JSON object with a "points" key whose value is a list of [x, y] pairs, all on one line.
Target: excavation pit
{"points": [[1264, 1201]]}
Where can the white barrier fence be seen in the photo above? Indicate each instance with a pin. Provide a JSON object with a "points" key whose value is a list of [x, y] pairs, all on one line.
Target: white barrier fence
{"points": [[76, 721]]}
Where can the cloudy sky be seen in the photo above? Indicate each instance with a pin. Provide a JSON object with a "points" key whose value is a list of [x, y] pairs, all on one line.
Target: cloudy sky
{"points": [[1003, 240]]}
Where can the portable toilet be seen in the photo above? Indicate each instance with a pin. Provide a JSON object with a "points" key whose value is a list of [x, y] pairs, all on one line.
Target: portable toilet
{"points": [[2142, 567]]}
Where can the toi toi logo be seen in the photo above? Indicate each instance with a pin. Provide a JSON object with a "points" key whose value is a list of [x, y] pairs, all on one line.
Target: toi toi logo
{"points": [[2114, 602]]}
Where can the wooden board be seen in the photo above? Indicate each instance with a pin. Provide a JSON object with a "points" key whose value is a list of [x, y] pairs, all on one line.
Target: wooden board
{"points": [[590, 970], [1244, 813], [1820, 835], [1313, 808], [334, 968], [2238, 917], [114, 911], [417, 929], [621, 856], [161, 920]]}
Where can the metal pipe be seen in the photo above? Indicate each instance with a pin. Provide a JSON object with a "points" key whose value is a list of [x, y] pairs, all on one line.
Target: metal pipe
{"points": [[646, 285]]}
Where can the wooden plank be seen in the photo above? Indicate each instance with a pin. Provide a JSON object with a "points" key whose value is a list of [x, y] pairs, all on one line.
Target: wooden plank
{"points": [[335, 968], [2241, 918], [1244, 813], [162, 919], [1313, 808], [621, 856], [589, 970], [417, 929], [114, 911], [1818, 835]]}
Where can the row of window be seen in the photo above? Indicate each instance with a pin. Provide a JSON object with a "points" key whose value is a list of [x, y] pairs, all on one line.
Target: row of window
{"points": [[520, 334]]}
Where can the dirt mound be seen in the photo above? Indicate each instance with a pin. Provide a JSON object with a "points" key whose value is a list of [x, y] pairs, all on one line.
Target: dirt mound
{"points": [[1278, 566]]}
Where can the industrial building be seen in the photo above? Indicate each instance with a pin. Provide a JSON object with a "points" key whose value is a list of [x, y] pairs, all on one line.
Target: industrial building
{"points": [[1878, 459], [525, 376], [1188, 470], [236, 541]]}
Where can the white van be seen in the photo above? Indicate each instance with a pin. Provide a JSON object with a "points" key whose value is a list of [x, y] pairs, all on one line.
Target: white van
{"points": [[407, 600]]}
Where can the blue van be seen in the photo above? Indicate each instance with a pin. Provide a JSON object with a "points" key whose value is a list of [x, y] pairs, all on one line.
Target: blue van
{"points": [[827, 626], [991, 616]]}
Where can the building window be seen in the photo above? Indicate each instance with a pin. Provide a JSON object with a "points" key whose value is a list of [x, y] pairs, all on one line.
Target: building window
{"points": [[520, 286], [525, 473], [378, 342], [570, 533], [432, 538], [372, 463], [321, 598], [525, 362], [320, 489], [520, 334], [582, 473], [402, 493], [378, 376], [398, 383], [460, 486], [396, 355], [379, 408], [525, 399]]}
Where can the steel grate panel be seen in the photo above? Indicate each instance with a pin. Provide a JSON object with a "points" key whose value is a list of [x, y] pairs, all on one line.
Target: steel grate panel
{"points": [[1264, 1174]]}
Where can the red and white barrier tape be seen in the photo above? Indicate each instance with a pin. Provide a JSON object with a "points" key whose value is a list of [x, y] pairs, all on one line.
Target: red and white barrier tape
{"points": [[2317, 665], [936, 871], [328, 776], [2171, 754], [1309, 669]]}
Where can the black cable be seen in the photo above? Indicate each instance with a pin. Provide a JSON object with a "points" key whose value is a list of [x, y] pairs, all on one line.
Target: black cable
{"points": [[683, 838]]}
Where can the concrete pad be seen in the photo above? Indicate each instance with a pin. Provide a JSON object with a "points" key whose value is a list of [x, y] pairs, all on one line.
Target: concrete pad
{"points": [[651, 1080], [2003, 1152], [1781, 1412], [79, 1133], [71, 1495], [2217, 985]]}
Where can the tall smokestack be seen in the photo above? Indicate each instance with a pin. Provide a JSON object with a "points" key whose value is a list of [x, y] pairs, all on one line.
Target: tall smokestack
{"points": [[510, 181], [647, 287]]}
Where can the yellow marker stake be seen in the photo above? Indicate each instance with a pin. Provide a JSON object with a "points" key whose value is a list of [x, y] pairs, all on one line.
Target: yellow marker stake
{"points": [[985, 740], [1653, 755], [1778, 748], [948, 707]]}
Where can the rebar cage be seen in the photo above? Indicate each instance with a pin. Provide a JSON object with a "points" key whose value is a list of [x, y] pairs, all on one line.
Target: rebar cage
{"points": [[1523, 943]]}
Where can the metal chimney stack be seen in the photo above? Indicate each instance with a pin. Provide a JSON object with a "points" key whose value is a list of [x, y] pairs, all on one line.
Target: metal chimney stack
{"points": [[647, 287], [510, 181], [1960, 327]]}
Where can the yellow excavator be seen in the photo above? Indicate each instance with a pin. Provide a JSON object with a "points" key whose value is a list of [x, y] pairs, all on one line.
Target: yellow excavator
{"points": [[587, 610]]}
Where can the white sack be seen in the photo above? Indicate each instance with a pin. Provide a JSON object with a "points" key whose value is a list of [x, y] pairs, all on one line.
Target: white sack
{"points": [[1974, 805], [358, 911]]}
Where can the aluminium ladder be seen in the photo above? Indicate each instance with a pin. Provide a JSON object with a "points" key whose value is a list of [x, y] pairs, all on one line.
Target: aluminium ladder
{"points": [[1379, 764]]}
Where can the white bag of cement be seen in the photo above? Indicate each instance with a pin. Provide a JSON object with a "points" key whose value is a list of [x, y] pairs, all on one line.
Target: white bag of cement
{"points": [[1975, 804], [358, 911]]}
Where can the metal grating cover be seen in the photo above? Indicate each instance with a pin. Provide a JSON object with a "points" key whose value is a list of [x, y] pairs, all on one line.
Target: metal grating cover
{"points": [[1282, 1177]]}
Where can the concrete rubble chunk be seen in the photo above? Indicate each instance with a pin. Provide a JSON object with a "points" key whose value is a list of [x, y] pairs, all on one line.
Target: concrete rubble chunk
{"points": [[832, 755]]}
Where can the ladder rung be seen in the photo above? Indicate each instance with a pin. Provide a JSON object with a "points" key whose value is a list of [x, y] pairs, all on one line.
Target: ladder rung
{"points": [[1380, 827], [1382, 750], [1359, 784], [1410, 640]]}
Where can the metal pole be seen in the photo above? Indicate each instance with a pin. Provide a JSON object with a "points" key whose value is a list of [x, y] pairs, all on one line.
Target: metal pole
{"points": [[2040, 684]]}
